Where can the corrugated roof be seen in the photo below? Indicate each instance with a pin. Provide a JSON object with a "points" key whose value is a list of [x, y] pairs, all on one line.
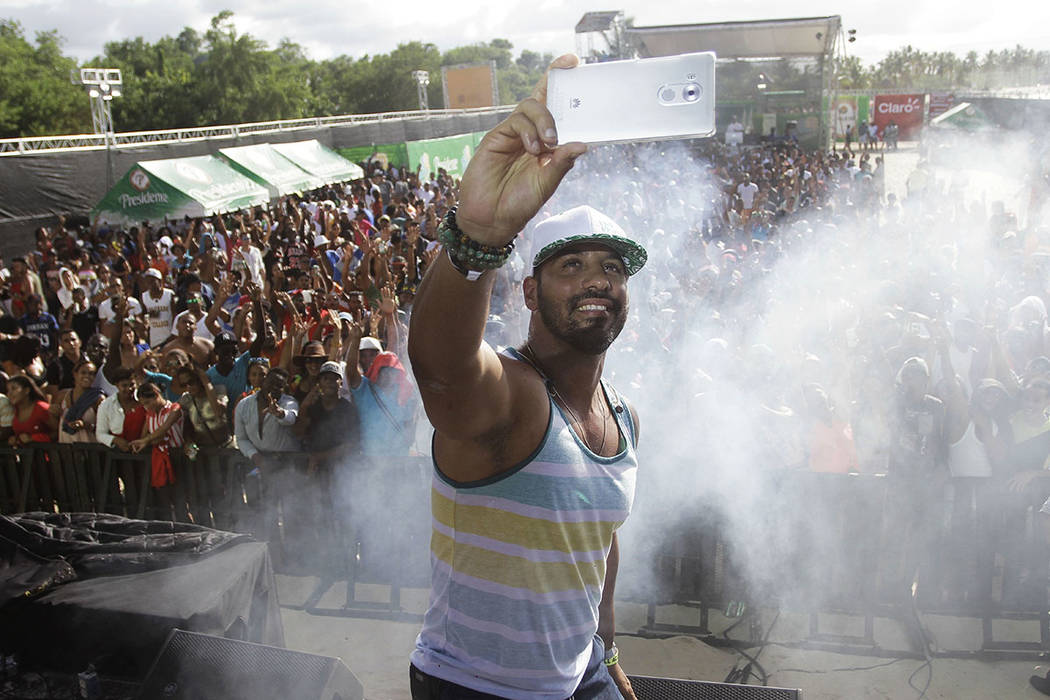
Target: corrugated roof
{"points": [[801, 37], [597, 21]]}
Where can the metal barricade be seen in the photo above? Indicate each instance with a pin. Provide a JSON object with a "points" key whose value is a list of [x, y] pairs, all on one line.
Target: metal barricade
{"points": [[15, 471], [863, 546], [78, 477]]}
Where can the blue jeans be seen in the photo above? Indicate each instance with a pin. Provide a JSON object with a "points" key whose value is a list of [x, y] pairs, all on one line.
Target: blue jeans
{"points": [[596, 684]]}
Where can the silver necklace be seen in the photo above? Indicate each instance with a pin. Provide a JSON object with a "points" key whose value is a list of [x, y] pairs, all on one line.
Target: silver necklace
{"points": [[531, 357]]}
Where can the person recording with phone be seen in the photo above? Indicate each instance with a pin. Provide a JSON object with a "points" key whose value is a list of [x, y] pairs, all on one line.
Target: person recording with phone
{"points": [[534, 454]]}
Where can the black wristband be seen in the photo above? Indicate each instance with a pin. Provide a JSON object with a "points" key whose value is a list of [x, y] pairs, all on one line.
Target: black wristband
{"points": [[471, 275]]}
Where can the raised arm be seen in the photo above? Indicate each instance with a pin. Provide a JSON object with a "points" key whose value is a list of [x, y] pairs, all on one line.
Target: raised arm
{"points": [[209, 390], [258, 320], [465, 388], [388, 310], [352, 367], [113, 361], [222, 294]]}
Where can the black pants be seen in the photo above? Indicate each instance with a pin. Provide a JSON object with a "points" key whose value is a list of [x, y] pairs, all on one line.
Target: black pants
{"points": [[426, 687], [596, 684]]}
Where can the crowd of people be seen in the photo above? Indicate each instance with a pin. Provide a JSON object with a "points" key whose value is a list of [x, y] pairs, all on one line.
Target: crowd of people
{"points": [[803, 316], [248, 337]]}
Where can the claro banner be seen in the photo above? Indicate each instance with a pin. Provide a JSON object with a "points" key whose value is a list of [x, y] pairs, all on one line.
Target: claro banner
{"points": [[904, 110]]}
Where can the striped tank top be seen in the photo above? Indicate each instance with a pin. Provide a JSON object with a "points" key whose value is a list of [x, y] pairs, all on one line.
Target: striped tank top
{"points": [[518, 564]]}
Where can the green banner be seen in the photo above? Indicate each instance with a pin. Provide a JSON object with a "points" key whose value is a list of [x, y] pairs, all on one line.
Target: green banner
{"points": [[863, 109], [173, 188], [319, 160], [270, 169], [395, 154], [451, 153]]}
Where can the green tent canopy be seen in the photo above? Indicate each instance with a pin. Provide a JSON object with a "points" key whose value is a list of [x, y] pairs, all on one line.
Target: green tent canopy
{"points": [[318, 160], [270, 169], [153, 190], [963, 116]]}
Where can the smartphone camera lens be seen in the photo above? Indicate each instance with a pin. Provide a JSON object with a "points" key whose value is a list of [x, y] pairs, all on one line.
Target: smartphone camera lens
{"points": [[667, 95], [691, 92]]}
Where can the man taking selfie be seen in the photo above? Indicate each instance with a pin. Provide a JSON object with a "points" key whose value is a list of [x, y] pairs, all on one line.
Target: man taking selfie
{"points": [[534, 454]]}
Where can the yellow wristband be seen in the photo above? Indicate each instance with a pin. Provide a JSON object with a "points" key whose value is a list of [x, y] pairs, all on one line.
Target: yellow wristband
{"points": [[612, 656]]}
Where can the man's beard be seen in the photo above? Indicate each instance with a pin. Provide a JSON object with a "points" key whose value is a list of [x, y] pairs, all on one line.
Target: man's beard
{"points": [[588, 338]]}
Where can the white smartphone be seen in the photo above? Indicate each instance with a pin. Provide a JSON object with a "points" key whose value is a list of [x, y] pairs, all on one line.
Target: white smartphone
{"points": [[644, 99]]}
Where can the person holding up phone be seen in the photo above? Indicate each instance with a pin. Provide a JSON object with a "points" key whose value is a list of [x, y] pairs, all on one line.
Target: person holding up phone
{"points": [[534, 458]]}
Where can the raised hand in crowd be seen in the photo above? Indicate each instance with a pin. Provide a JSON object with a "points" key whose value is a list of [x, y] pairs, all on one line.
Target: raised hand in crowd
{"points": [[373, 324], [317, 279], [254, 292], [412, 236], [355, 330], [387, 300], [430, 255], [272, 407], [225, 290]]}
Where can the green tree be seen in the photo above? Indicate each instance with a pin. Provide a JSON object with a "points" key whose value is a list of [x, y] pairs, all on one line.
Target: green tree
{"points": [[498, 50], [240, 80], [384, 83], [852, 74], [36, 94], [158, 82]]}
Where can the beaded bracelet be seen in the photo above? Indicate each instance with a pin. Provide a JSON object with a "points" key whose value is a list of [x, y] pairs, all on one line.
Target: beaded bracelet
{"points": [[467, 252]]}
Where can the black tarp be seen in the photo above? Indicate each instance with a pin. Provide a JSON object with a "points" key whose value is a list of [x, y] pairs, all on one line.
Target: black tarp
{"points": [[85, 588]]}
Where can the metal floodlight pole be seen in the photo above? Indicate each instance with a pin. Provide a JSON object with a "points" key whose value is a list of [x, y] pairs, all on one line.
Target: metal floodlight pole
{"points": [[102, 85], [422, 80]]}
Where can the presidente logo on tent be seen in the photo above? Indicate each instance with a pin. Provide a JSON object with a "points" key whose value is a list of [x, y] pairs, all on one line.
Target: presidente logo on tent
{"points": [[139, 179], [140, 182]]}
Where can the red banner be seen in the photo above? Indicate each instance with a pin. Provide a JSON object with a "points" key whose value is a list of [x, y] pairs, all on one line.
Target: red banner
{"points": [[904, 110]]}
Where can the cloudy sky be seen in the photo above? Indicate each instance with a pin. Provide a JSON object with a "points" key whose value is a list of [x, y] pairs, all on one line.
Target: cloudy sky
{"points": [[328, 28]]}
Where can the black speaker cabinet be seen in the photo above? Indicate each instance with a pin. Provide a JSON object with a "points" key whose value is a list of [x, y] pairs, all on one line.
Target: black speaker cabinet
{"points": [[194, 666], [653, 688]]}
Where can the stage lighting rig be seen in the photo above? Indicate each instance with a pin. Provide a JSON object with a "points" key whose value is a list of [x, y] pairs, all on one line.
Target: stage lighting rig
{"points": [[102, 86], [422, 80]]}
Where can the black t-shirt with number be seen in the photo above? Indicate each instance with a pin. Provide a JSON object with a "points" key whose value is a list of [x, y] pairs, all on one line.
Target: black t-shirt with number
{"points": [[42, 326], [85, 323]]}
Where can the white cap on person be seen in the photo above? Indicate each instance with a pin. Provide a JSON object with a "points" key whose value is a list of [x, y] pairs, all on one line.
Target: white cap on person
{"points": [[370, 343], [585, 224]]}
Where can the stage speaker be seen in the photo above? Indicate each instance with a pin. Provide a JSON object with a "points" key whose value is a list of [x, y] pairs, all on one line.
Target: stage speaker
{"points": [[193, 666], [654, 688]]}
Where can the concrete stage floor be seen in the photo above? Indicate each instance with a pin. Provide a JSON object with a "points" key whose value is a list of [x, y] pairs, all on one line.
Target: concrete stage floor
{"points": [[377, 650]]}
